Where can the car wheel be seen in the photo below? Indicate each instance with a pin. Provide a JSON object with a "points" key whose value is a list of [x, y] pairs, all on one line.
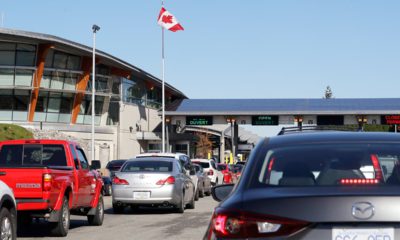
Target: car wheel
{"points": [[97, 218], [7, 225], [201, 193], [61, 227], [180, 208], [196, 196], [118, 208], [191, 204]]}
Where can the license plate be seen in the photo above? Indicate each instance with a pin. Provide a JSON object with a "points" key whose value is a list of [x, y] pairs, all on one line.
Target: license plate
{"points": [[363, 234], [141, 195]]}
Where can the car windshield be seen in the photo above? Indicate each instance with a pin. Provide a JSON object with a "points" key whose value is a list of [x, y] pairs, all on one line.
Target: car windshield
{"points": [[203, 164], [147, 166], [332, 164]]}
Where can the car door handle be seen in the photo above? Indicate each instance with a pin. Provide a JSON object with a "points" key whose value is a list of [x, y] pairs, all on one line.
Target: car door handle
{"points": [[3, 173]]}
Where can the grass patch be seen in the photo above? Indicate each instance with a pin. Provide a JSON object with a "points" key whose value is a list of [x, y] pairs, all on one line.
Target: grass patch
{"points": [[11, 131]]}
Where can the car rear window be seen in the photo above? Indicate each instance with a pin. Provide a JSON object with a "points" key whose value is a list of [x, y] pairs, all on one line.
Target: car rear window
{"points": [[221, 167], [202, 164], [32, 155], [331, 165], [147, 166]]}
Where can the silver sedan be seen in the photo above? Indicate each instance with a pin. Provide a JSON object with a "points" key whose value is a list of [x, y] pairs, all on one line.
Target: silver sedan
{"points": [[152, 181]]}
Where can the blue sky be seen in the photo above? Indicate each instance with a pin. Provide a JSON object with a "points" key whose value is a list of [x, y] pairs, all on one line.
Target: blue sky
{"points": [[238, 48]]}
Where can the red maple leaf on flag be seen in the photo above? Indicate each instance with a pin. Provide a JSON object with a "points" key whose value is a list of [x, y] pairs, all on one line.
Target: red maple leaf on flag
{"points": [[167, 19]]}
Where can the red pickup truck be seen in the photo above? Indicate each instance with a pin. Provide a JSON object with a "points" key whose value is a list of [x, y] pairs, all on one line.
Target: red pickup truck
{"points": [[51, 179]]}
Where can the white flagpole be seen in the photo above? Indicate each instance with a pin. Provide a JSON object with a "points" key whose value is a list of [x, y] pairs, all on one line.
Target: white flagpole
{"points": [[163, 90]]}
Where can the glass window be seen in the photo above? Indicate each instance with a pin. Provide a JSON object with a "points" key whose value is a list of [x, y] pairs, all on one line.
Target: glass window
{"points": [[70, 81], [23, 77], [57, 80], [133, 91], [54, 104], [334, 164], [32, 155], [25, 58], [6, 77], [7, 58], [6, 100], [53, 155], [7, 46], [66, 104], [102, 84], [60, 60], [74, 62], [99, 105], [147, 166], [21, 100], [41, 105], [11, 155], [26, 47], [46, 79], [49, 59], [82, 158], [74, 156]]}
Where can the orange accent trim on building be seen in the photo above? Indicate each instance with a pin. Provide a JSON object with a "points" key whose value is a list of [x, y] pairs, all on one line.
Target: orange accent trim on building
{"points": [[81, 88], [43, 49]]}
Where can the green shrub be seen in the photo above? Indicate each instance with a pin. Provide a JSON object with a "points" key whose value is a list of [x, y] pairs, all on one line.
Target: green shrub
{"points": [[11, 131]]}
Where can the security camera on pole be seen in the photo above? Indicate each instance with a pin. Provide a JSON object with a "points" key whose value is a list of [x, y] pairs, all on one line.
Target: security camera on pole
{"points": [[95, 28], [168, 21]]}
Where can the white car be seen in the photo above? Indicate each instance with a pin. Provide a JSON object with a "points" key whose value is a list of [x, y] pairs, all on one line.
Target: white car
{"points": [[8, 213], [210, 167]]}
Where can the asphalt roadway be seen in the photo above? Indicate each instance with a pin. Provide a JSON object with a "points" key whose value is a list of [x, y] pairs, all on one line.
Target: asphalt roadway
{"points": [[144, 223]]}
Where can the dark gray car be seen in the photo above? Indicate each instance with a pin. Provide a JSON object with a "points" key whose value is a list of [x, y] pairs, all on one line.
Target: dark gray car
{"points": [[327, 185]]}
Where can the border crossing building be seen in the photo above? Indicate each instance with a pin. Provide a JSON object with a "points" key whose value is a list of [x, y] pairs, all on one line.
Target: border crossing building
{"points": [[46, 83]]}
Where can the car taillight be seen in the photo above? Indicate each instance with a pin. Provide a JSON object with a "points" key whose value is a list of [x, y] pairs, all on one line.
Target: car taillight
{"points": [[47, 182], [239, 224], [119, 181], [211, 172], [357, 181], [168, 180], [377, 167]]}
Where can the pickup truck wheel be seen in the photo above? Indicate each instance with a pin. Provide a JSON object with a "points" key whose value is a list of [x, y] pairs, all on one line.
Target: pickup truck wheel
{"points": [[7, 225], [61, 227], [97, 218]]}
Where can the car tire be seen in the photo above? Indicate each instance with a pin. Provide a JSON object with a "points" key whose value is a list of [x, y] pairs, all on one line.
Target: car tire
{"points": [[201, 193], [61, 227], [118, 208], [98, 217], [196, 196], [180, 208], [191, 204], [8, 228]]}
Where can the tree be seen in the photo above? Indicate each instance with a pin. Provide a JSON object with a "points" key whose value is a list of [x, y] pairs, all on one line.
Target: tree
{"points": [[328, 93], [203, 146]]}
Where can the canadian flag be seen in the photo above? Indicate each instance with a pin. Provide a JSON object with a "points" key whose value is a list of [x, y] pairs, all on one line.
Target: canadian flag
{"points": [[168, 21]]}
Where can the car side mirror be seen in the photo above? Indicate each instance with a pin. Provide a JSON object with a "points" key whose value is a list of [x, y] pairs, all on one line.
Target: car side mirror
{"points": [[219, 193]]}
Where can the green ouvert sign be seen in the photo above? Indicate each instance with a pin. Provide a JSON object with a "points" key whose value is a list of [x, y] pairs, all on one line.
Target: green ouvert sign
{"points": [[264, 120], [199, 120]]}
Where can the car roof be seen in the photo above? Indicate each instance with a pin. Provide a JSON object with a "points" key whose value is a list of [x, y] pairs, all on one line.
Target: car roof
{"points": [[332, 136], [171, 155], [166, 159], [201, 160]]}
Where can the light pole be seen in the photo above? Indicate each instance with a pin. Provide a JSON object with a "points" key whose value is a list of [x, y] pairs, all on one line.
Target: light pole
{"points": [[95, 28]]}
